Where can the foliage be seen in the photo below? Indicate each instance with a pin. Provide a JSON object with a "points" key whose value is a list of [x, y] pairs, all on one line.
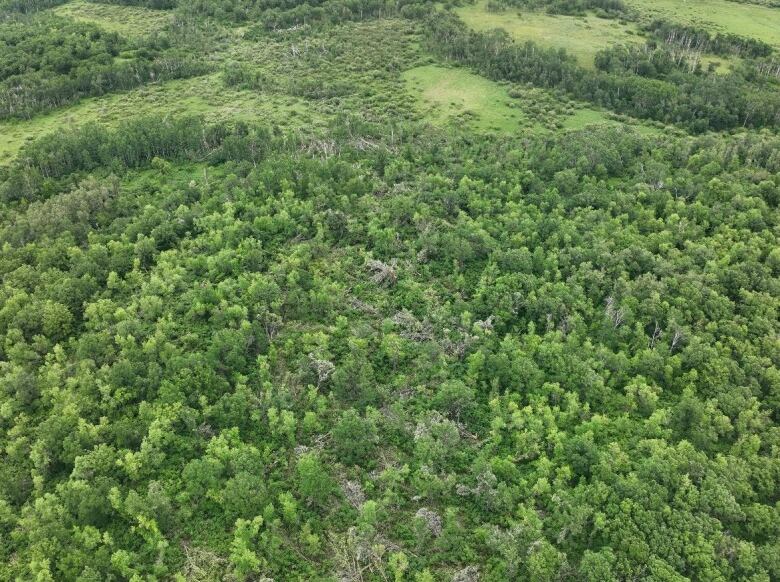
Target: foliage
{"points": [[373, 349], [221, 320]]}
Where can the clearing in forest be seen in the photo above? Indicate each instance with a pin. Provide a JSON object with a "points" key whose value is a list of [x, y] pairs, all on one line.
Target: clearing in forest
{"points": [[446, 93], [581, 36]]}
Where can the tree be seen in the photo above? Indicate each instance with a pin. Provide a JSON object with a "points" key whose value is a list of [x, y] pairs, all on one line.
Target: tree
{"points": [[245, 561], [314, 483], [354, 438]]}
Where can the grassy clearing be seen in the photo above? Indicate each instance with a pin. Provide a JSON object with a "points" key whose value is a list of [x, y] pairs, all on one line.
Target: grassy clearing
{"points": [[582, 37], [722, 65], [458, 96], [445, 94], [751, 20], [200, 95], [585, 116], [125, 20]]}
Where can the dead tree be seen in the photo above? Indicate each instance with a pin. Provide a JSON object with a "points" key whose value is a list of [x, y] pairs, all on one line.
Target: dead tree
{"points": [[614, 313], [383, 273]]}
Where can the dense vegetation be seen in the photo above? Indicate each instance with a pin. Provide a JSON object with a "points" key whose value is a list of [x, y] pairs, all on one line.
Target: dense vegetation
{"points": [[573, 7], [376, 349], [11, 7]]}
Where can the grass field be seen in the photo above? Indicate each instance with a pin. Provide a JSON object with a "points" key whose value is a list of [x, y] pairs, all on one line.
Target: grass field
{"points": [[580, 36], [751, 20], [200, 95], [125, 20], [447, 93]]}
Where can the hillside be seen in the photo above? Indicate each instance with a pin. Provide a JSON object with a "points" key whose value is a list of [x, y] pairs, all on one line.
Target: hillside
{"points": [[351, 290]]}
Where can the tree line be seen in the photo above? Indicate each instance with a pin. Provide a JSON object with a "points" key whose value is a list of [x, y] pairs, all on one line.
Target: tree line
{"points": [[134, 143]]}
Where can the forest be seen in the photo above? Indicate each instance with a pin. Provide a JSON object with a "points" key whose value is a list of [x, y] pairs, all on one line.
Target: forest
{"points": [[356, 291]]}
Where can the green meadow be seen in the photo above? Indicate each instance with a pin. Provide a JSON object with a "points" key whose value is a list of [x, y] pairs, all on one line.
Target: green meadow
{"points": [[456, 95]]}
